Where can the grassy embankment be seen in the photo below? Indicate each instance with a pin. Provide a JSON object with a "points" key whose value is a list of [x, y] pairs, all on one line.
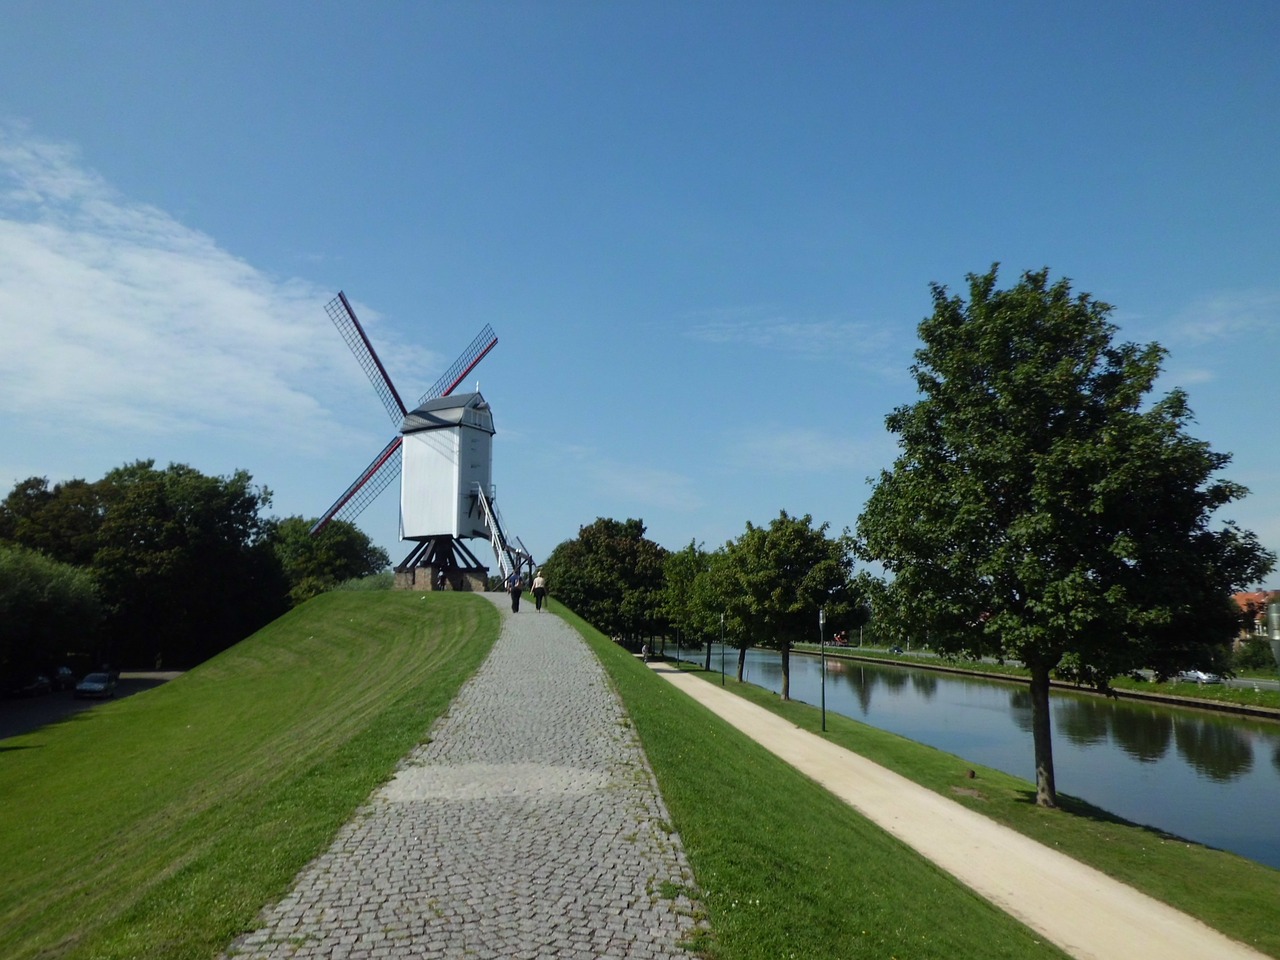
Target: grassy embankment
{"points": [[713, 798], [784, 868], [157, 826]]}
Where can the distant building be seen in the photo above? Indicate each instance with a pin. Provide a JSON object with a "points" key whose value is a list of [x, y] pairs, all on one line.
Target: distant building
{"points": [[1253, 609]]}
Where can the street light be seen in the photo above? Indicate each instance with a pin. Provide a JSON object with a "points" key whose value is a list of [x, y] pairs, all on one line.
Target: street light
{"points": [[722, 649], [822, 655]]}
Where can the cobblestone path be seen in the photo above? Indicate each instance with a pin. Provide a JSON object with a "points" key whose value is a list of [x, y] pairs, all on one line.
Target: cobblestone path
{"points": [[528, 827]]}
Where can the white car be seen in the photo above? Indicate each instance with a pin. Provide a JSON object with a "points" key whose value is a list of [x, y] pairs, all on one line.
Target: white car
{"points": [[97, 685], [1199, 676]]}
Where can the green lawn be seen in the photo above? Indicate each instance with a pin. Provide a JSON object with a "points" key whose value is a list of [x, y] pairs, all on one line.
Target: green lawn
{"points": [[158, 825], [1225, 891], [784, 868]]}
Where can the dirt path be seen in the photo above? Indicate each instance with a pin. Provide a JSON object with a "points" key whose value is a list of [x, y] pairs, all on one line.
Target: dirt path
{"points": [[1083, 911]]}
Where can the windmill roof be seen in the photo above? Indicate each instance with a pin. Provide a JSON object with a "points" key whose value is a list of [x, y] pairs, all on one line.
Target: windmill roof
{"points": [[470, 409]]}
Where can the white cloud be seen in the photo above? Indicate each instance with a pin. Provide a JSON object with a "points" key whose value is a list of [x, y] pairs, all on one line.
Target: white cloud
{"points": [[863, 344], [115, 316], [785, 449], [1244, 317]]}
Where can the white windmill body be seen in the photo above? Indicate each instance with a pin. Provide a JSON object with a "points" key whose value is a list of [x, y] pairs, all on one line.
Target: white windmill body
{"points": [[448, 460], [443, 453]]}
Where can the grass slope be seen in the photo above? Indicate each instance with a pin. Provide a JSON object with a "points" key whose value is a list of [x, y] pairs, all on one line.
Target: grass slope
{"points": [[785, 869], [158, 826], [1225, 891]]}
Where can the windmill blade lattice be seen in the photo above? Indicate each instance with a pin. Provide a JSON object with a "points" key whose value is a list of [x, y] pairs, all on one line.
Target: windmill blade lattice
{"points": [[485, 341], [384, 468], [344, 318]]}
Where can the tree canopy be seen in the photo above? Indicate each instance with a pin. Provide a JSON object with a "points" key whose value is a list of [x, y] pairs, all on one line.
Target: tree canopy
{"points": [[611, 575], [182, 562], [49, 611], [772, 581], [1041, 510], [315, 564]]}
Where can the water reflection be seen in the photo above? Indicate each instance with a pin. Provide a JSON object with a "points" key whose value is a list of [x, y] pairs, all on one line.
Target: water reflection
{"points": [[1143, 733], [1188, 772], [1080, 721], [924, 683], [1216, 750]]}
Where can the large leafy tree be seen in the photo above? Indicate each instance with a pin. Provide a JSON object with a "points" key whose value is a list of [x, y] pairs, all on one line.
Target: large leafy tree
{"points": [[314, 564], [48, 612], [611, 575], [1040, 509], [184, 562], [681, 575], [773, 580], [62, 521]]}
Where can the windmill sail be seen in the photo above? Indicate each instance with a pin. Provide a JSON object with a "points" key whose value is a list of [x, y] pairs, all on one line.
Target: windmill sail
{"points": [[366, 487], [385, 467], [344, 318]]}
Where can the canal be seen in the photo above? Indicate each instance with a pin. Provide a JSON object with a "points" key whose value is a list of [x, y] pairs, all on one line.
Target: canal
{"points": [[1212, 778]]}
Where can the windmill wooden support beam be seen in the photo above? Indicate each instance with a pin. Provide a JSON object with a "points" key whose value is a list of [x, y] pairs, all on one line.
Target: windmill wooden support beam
{"points": [[441, 563]]}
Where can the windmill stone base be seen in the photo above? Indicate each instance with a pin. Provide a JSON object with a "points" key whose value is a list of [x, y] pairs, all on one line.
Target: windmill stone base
{"points": [[441, 563]]}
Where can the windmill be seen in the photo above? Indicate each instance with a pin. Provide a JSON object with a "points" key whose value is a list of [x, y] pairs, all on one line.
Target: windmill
{"points": [[443, 454]]}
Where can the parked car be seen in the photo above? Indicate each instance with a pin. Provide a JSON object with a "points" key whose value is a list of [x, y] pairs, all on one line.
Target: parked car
{"points": [[63, 679], [32, 686], [1199, 676], [97, 685]]}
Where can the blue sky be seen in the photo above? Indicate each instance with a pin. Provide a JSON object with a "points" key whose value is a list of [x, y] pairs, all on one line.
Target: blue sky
{"points": [[704, 233]]}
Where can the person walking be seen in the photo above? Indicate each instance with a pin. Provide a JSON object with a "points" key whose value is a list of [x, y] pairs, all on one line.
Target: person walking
{"points": [[515, 587], [539, 590]]}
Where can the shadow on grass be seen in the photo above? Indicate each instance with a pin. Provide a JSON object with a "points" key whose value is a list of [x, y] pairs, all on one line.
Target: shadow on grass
{"points": [[1075, 807]]}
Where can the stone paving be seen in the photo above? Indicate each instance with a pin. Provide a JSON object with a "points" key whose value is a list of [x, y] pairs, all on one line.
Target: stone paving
{"points": [[529, 826]]}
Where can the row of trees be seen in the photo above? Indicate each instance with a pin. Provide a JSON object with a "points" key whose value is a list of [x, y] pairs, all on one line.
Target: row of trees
{"points": [[764, 588], [1042, 509], [149, 566]]}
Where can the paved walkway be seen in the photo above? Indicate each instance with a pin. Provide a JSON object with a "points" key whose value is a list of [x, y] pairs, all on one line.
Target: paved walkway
{"points": [[1083, 911], [528, 827]]}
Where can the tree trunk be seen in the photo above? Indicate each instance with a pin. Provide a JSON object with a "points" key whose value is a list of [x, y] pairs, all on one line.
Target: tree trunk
{"points": [[742, 662], [1046, 791], [785, 649], [708, 665]]}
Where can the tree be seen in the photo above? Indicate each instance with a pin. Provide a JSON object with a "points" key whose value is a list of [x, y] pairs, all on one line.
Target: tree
{"points": [[48, 610], [315, 564], [611, 576], [62, 522], [183, 562], [776, 578], [680, 575], [1038, 511]]}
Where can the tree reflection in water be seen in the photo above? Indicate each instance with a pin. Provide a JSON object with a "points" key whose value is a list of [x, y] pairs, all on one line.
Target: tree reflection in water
{"points": [[1081, 721], [1189, 772], [1144, 734], [925, 684], [1216, 750]]}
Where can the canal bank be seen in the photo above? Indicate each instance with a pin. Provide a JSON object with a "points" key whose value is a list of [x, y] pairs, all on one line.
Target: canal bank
{"points": [[1076, 907], [1205, 776], [1124, 693]]}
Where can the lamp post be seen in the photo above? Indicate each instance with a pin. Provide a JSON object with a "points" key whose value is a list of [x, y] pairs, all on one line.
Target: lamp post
{"points": [[722, 649], [822, 656]]}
